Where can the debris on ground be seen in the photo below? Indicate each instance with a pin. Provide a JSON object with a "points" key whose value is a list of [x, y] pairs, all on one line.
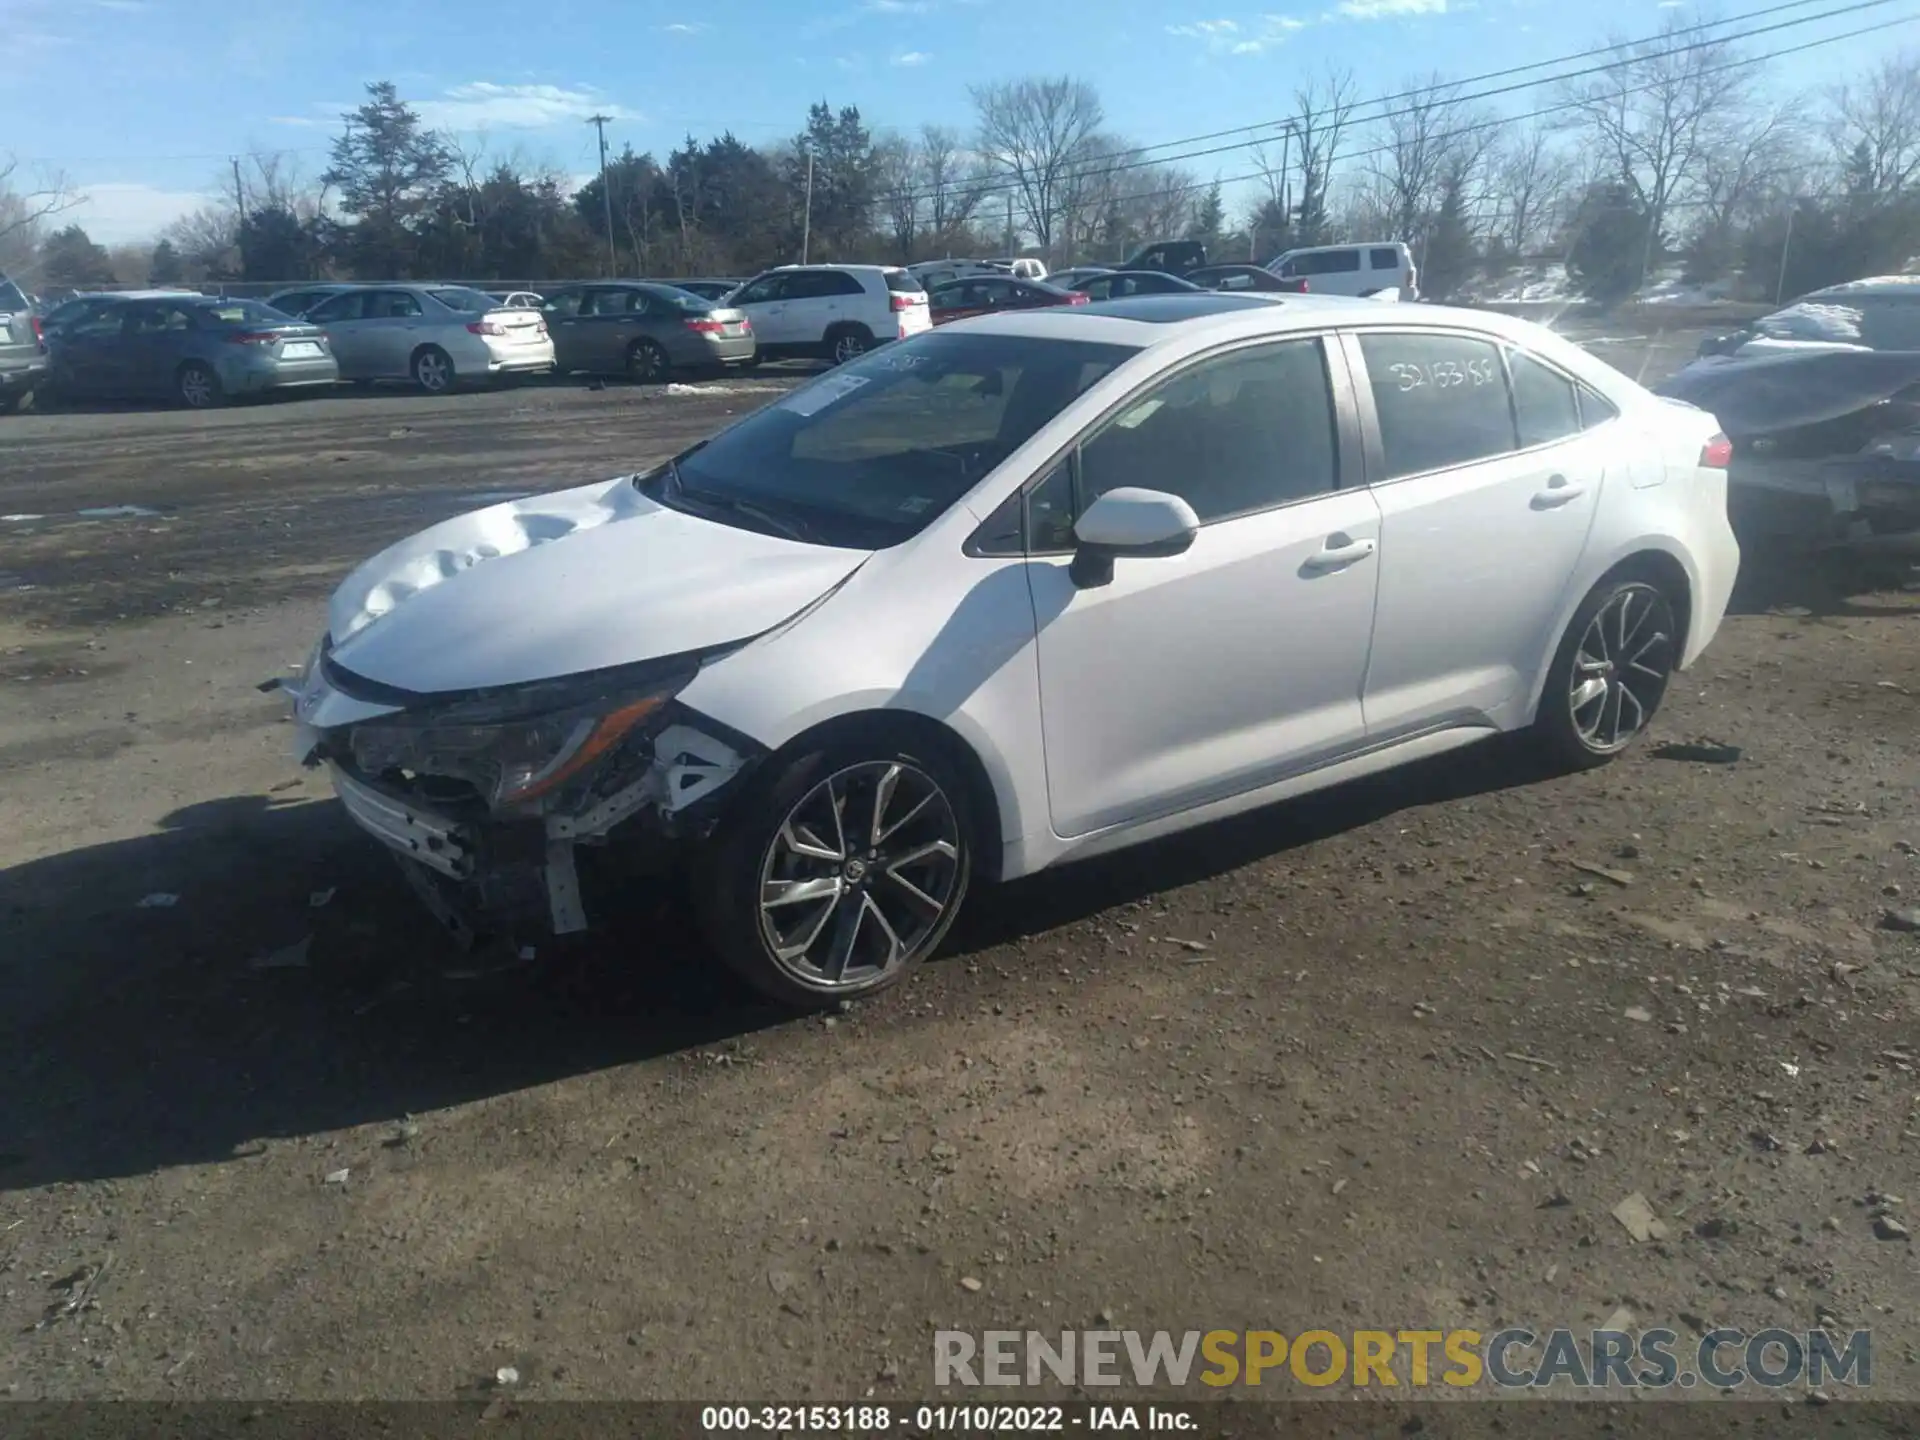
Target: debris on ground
{"points": [[77, 1291], [969, 1283], [320, 899], [506, 1375], [1622, 878], [1638, 1013], [1907, 922], [1637, 1216], [159, 900], [1885, 1227], [1700, 752], [290, 957], [338, 1177]]}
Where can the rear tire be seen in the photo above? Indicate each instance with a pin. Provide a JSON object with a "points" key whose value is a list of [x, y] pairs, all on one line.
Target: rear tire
{"points": [[197, 386], [840, 871], [647, 363], [1610, 673], [433, 371], [845, 343], [10, 400]]}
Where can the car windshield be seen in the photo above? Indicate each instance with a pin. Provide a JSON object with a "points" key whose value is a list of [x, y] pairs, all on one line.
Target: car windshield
{"points": [[469, 300], [1875, 321], [684, 301], [870, 454]]}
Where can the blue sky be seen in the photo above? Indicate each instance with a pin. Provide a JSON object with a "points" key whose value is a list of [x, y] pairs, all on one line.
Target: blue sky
{"points": [[141, 101]]}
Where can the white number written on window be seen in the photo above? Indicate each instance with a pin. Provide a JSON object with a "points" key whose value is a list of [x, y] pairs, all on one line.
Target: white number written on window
{"points": [[1443, 374]]}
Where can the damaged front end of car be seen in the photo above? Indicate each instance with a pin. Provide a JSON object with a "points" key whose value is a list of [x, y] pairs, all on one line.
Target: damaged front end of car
{"points": [[489, 798]]}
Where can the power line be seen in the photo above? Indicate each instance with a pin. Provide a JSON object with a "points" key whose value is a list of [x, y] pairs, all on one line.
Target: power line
{"points": [[600, 123], [1102, 170]]}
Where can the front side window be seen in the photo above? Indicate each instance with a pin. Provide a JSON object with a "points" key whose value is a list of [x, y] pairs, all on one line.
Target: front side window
{"points": [[1245, 432], [1441, 400], [566, 304], [869, 454], [348, 305], [758, 292], [98, 323], [1545, 404], [392, 305]]}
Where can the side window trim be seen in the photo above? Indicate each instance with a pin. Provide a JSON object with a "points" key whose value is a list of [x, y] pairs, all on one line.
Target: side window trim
{"points": [[1376, 449], [1350, 468]]}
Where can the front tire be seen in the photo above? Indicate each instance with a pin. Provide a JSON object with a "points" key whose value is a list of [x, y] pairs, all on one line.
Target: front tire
{"points": [[433, 371], [1610, 674], [841, 872], [197, 386]]}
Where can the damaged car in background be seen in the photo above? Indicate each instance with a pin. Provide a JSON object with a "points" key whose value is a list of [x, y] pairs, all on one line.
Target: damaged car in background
{"points": [[1023, 589], [1822, 401]]}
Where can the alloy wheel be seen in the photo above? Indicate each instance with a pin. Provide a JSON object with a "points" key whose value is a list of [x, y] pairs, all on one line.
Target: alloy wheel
{"points": [[433, 371], [645, 363], [848, 347], [197, 387], [1621, 668], [860, 873]]}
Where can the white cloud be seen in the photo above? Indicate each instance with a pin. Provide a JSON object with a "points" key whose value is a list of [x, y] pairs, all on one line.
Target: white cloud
{"points": [[911, 58], [117, 211], [898, 7], [1237, 37], [687, 27], [1390, 9], [1204, 29], [485, 105]]}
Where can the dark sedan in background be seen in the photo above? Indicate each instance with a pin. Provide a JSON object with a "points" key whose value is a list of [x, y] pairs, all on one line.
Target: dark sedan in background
{"points": [[643, 329], [1245, 277], [191, 348], [707, 289], [1117, 284], [994, 295]]}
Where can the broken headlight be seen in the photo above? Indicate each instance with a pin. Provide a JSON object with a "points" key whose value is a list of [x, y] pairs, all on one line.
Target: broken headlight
{"points": [[517, 749]]}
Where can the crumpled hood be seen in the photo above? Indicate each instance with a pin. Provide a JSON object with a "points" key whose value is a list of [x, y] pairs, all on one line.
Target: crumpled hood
{"points": [[1763, 390], [558, 584]]}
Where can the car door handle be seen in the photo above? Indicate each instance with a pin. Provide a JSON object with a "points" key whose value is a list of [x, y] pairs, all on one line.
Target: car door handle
{"points": [[1339, 551], [1559, 491]]}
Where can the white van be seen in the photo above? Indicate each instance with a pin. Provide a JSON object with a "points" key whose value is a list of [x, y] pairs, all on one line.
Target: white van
{"points": [[1351, 269]]}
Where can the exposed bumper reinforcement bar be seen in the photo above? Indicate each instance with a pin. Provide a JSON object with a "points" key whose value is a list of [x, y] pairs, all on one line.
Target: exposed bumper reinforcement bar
{"points": [[441, 844]]}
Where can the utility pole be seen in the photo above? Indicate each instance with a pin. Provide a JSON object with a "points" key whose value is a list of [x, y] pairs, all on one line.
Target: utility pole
{"points": [[1008, 252], [806, 213], [599, 123], [239, 191]]}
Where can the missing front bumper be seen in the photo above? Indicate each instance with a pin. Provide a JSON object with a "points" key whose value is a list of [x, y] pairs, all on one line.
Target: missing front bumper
{"points": [[481, 877]]}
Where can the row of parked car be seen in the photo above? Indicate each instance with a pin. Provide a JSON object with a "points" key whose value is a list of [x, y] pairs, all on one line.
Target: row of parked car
{"points": [[202, 350]]}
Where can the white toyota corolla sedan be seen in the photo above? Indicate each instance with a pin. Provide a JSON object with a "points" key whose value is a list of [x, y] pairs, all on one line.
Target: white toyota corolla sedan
{"points": [[1021, 590]]}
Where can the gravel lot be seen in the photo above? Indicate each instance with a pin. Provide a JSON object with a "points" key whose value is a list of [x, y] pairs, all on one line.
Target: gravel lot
{"points": [[1387, 1056]]}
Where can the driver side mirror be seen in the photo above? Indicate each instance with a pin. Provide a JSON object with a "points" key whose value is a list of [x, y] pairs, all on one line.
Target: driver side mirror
{"points": [[1132, 522]]}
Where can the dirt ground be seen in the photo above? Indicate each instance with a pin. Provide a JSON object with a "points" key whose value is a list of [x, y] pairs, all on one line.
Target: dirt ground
{"points": [[1388, 1056]]}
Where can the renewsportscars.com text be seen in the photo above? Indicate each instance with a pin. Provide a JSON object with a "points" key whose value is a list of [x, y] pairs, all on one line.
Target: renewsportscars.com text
{"points": [[1508, 1359]]}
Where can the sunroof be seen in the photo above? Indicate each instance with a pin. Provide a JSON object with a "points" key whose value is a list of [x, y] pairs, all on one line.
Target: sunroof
{"points": [[1172, 309]]}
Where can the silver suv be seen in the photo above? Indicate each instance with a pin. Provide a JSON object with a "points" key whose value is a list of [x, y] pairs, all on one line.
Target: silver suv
{"points": [[23, 356]]}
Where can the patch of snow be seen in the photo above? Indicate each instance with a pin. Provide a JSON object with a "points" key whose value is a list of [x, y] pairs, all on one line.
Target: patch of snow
{"points": [[119, 512], [21, 519], [679, 389], [1669, 289], [1812, 321]]}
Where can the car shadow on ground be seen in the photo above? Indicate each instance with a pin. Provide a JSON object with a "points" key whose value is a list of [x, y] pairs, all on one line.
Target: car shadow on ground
{"points": [[1782, 575], [296, 986]]}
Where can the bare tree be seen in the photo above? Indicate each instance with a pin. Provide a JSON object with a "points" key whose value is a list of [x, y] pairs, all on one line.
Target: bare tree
{"points": [[1529, 177], [1417, 157], [1034, 131], [1747, 163], [1322, 110], [1656, 115], [954, 181], [208, 240], [24, 205], [1875, 127], [897, 172]]}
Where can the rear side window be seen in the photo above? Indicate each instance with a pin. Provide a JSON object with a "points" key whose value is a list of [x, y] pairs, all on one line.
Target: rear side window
{"points": [[12, 302], [1441, 400], [1383, 258], [1595, 408], [1546, 406], [902, 283], [467, 301]]}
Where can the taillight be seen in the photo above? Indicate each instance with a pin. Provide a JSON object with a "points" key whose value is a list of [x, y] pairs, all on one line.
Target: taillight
{"points": [[705, 327], [1717, 453], [251, 337], [906, 302], [1304, 288], [39, 330], [1076, 298], [486, 327]]}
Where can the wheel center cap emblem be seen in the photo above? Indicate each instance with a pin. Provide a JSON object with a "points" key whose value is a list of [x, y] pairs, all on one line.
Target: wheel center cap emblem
{"points": [[856, 870]]}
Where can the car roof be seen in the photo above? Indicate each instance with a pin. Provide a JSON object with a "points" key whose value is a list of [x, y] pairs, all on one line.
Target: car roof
{"points": [[869, 269], [1144, 320], [1905, 286]]}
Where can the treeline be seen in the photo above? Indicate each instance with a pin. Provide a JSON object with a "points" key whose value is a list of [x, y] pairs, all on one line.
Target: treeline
{"points": [[1676, 150]]}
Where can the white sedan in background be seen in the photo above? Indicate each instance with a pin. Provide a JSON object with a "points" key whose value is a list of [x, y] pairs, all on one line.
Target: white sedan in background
{"points": [[1027, 588]]}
